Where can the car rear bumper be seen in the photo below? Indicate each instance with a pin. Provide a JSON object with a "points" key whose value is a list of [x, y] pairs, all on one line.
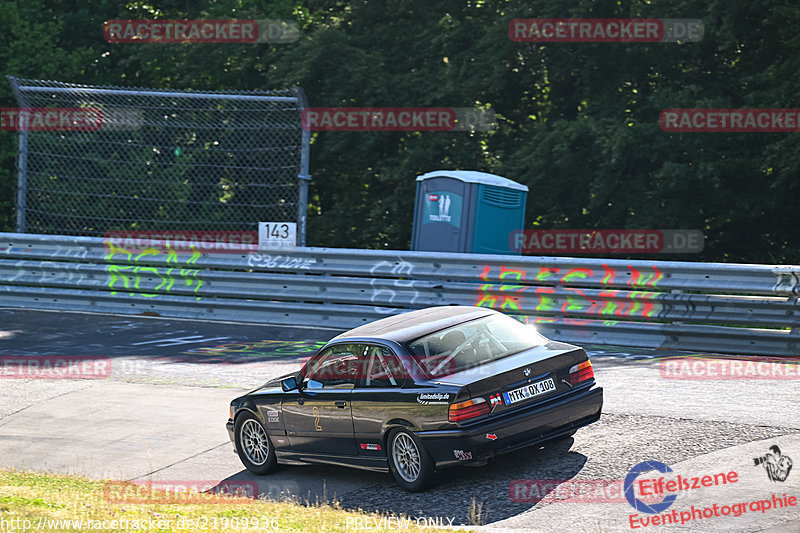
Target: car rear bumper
{"points": [[504, 434]]}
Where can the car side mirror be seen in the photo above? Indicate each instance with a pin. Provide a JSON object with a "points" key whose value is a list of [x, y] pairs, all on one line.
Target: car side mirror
{"points": [[313, 384], [289, 384]]}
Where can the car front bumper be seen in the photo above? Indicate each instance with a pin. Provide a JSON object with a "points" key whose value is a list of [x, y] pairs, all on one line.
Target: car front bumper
{"points": [[229, 426], [537, 423]]}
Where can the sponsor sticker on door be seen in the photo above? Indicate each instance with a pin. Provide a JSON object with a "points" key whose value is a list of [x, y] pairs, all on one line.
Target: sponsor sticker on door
{"points": [[429, 398]]}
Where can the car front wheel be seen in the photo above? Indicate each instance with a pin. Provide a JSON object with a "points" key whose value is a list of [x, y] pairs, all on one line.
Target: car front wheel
{"points": [[410, 464], [253, 445]]}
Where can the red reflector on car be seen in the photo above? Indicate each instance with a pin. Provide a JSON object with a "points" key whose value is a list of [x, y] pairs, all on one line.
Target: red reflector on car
{"points": [[581, 372], [469, 409]]}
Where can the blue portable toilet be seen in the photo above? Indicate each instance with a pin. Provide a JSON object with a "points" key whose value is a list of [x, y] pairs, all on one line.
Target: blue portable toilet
{"points": [[467, 211]]}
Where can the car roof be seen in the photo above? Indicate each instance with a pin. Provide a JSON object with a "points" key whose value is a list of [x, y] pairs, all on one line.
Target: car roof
{"points": [[414, 324]]}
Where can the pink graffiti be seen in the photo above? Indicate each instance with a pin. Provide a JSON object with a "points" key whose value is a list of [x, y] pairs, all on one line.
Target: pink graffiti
{"points": [[615, 302]]}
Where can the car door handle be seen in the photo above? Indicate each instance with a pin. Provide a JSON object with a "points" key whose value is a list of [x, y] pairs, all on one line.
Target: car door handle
{"points": [[341, 404]]}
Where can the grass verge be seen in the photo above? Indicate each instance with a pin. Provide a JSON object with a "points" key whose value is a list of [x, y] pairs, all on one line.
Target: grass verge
{"points": [[49, 502]]}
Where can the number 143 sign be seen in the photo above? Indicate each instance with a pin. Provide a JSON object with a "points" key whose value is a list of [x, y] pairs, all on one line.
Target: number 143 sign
{"points": [[277, 234]]}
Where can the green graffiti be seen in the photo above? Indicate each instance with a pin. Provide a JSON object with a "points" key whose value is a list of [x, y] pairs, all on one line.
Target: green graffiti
{"points": [[609, 309], [575, 304], [172, 255], [546, 303], [545, 273], [168, 281], [487, 299], [575, 274], [116, 273], [130, 275], [636, 305]]}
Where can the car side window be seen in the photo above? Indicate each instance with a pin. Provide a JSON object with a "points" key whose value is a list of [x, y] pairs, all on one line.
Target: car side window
{"points": [[383, 368], [338, 366]]}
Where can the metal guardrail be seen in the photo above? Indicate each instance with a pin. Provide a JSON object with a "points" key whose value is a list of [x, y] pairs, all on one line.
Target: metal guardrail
{"points": [[716, 307]]}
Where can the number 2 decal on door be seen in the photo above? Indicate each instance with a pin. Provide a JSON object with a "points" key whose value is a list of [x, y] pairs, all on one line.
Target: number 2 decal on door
{"points": [[316, 419]]}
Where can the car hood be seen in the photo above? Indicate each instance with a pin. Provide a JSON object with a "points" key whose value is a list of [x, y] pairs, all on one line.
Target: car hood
{"points": [[273, 383]]}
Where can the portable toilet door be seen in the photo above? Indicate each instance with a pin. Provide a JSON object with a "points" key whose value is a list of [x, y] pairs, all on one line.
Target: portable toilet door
{"points": [[440, 217]]}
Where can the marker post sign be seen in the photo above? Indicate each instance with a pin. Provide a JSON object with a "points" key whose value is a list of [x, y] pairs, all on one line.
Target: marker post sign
{"points": [[277, 235]]}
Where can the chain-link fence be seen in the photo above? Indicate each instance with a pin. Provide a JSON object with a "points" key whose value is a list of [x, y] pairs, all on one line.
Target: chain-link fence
{"points": [[160, 159]]}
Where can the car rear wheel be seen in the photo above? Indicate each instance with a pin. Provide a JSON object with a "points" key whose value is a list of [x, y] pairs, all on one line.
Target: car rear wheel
{"points": [[409, 462], [253, 445]]}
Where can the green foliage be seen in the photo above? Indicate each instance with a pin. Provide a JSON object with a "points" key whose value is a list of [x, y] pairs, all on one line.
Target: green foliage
{"points": [[578, 123]]}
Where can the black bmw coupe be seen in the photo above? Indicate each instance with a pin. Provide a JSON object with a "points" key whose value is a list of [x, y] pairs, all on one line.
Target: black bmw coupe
{"points": [[418, 392]]}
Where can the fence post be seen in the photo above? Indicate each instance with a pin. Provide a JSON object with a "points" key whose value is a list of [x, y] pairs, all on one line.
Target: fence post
{"points": [[22, 162], [22, 180], [303, 177]]}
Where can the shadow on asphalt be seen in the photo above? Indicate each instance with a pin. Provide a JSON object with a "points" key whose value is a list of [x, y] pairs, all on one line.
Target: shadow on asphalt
{"points": [[451, 496]]}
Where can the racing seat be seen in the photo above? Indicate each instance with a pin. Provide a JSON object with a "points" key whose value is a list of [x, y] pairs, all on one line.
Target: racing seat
{"points": [[454, 339]]}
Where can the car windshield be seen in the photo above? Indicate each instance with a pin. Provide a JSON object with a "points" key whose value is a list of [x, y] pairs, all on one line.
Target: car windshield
{"points": [[472, 344]]}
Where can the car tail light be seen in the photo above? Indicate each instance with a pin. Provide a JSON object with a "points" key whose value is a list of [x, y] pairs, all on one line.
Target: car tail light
{"points": [[581, 372], [469, 409]]}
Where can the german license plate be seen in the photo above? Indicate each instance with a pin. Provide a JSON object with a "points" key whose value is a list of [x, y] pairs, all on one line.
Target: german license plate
{"points": [[529, 391]]}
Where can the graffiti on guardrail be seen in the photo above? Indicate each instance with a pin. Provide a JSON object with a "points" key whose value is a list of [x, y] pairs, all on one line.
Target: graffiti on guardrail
{"points": [[259, 260], [615, 303], [385, 290], [131, 274], [556, 298], [509, 293], [71, 251], [787, 282], [44, 273], [638, 278]]}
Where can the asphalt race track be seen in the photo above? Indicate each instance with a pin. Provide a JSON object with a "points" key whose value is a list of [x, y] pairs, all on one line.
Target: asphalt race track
{"points": [[161, 414]]}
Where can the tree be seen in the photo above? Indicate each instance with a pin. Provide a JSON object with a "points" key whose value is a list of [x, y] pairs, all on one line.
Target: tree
{"points": [[577, 122]]}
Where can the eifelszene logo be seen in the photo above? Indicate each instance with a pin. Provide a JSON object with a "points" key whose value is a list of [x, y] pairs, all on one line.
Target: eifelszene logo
{"points": [[628, 488]]}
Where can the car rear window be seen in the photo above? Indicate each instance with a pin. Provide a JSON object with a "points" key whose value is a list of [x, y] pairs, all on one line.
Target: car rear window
{"points": [[472, 344]]}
